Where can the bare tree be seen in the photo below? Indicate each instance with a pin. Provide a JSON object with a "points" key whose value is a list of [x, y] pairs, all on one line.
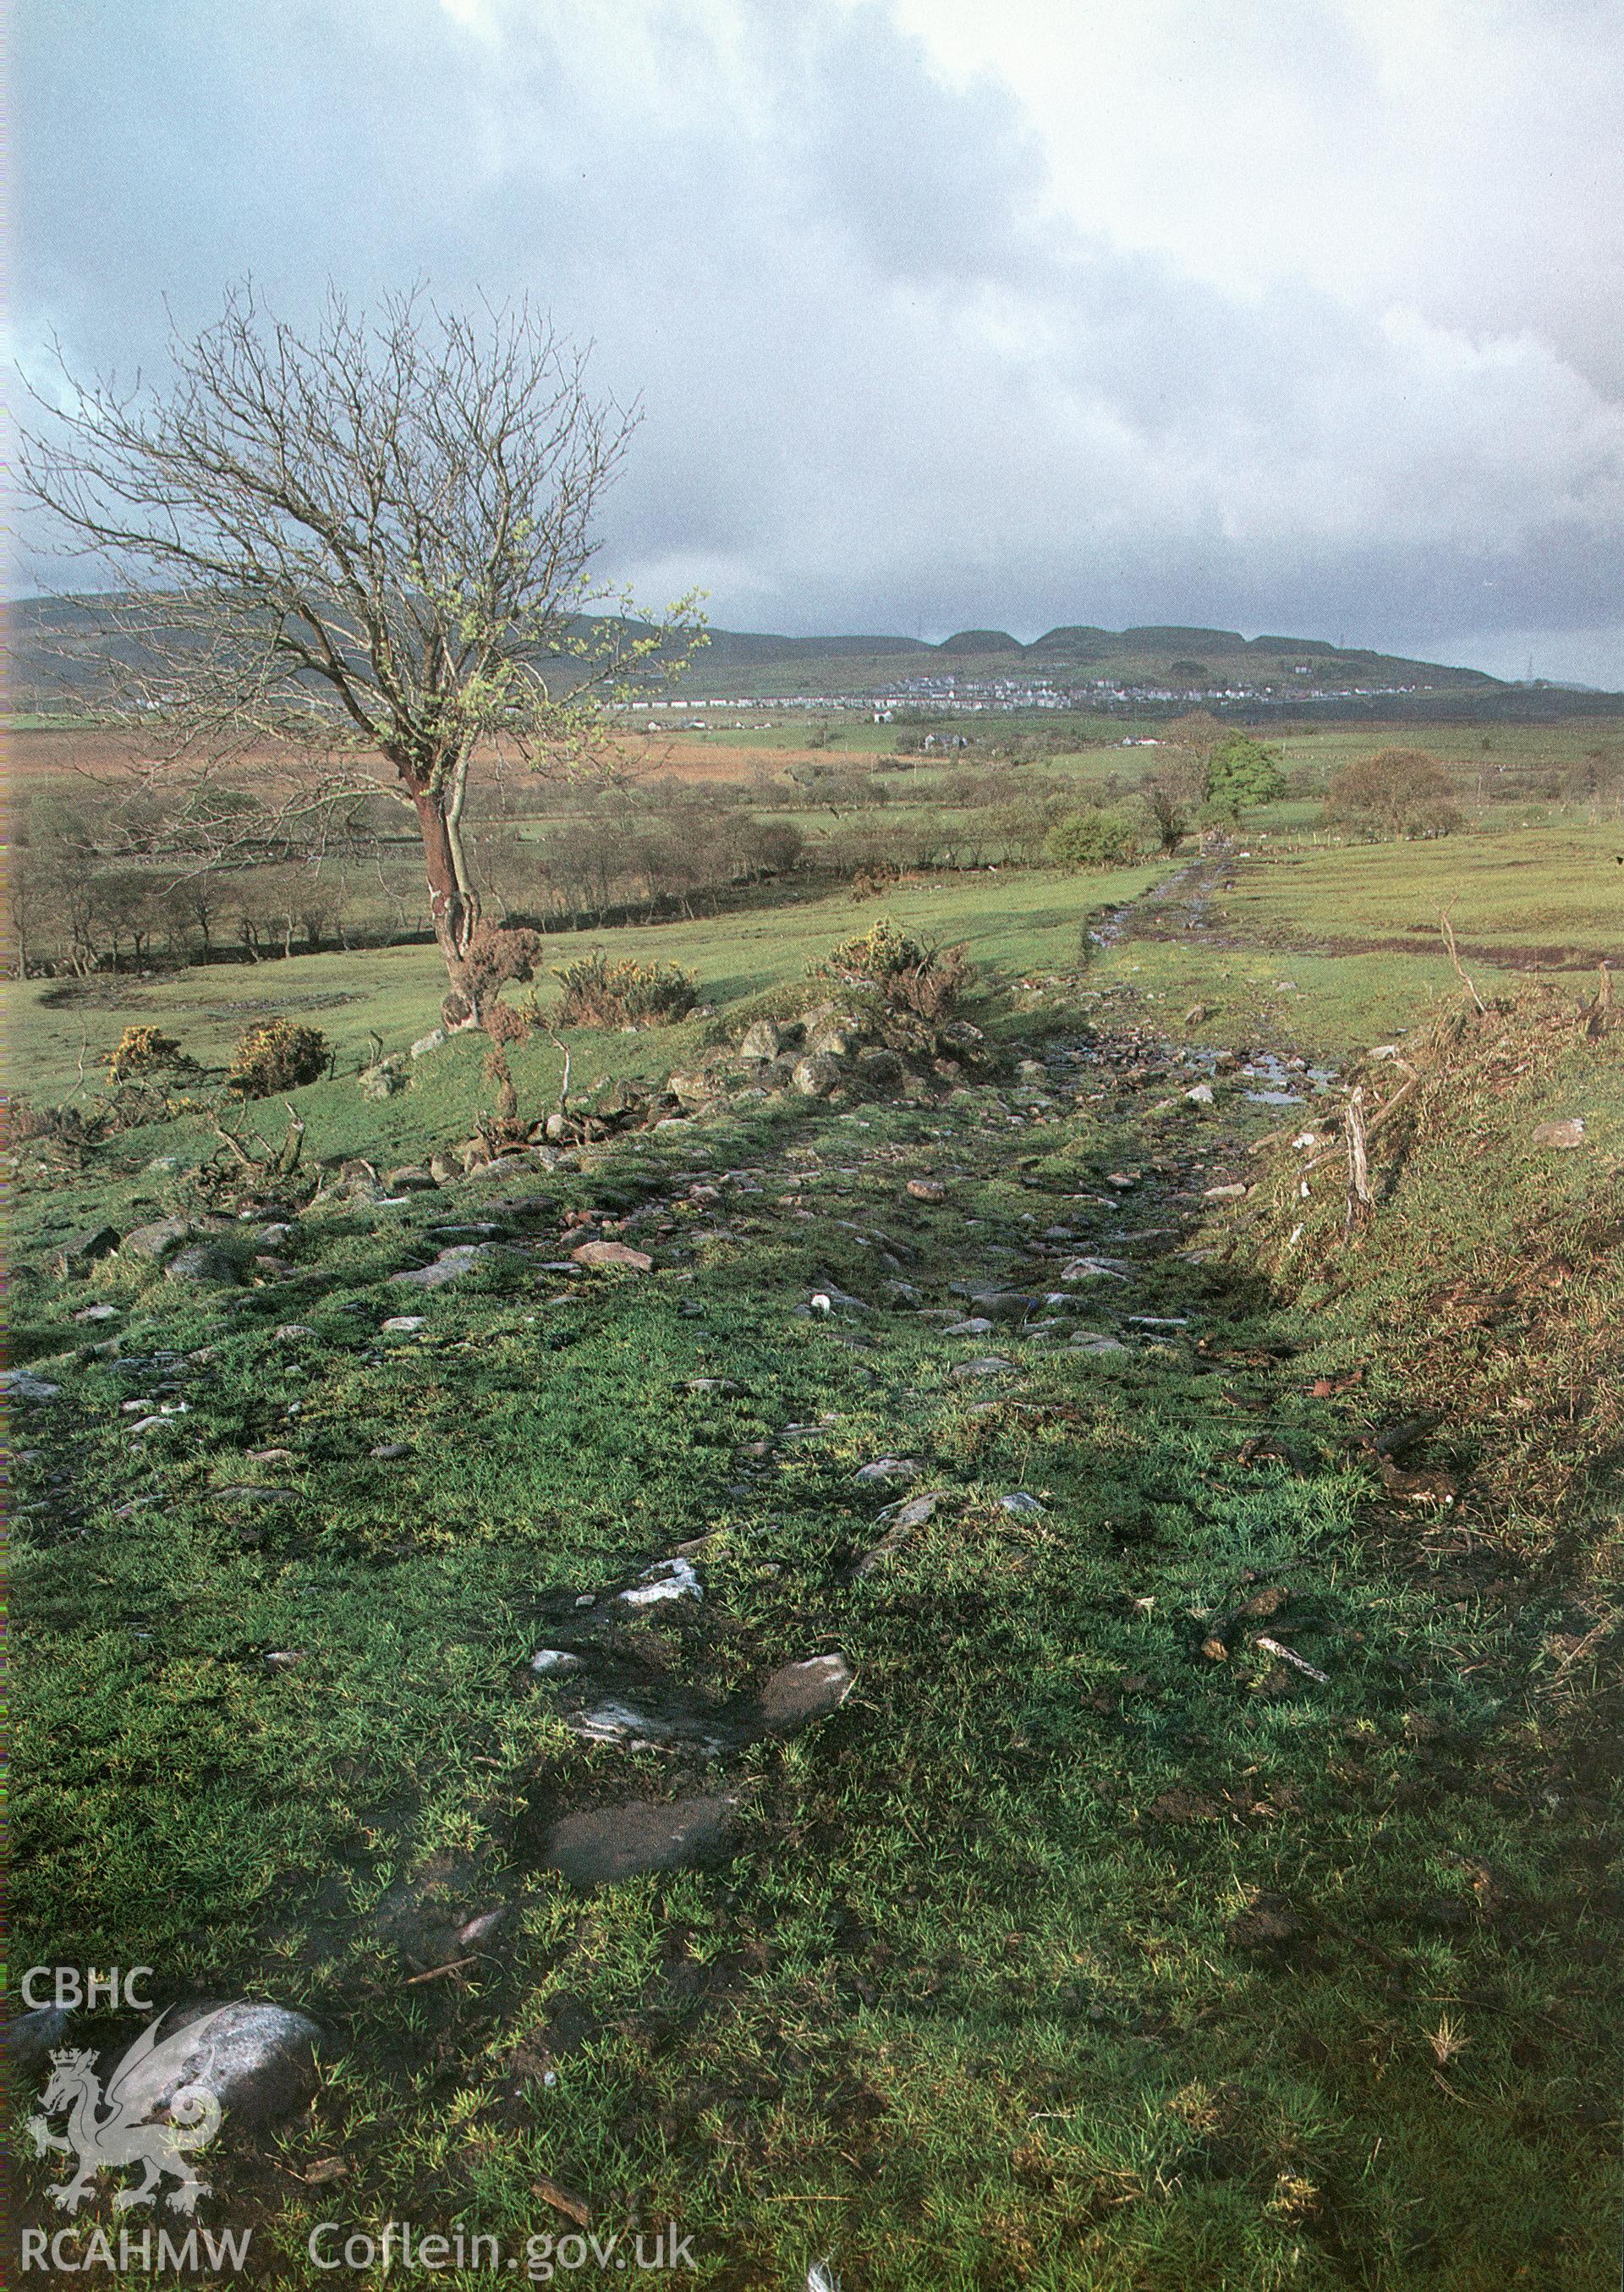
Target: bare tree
{"points": [[350, 561]]}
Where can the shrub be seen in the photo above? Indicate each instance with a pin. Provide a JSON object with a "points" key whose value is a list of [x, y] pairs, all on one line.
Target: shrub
{"points": [[497, 954], [1400, 791], [893, 964], [1093, 839], [143, 1053], [279, 1055], [874, 878], [598, 993]]}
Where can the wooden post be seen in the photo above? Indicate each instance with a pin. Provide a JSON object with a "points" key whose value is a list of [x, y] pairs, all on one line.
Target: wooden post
{"points": [[1361, 1201]]}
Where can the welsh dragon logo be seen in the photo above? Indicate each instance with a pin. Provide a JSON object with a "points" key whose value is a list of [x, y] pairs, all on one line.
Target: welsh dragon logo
{"points": [[117, 2128]]}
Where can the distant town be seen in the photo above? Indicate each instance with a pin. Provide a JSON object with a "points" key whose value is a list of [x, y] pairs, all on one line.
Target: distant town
{"points": [[977, 695]]}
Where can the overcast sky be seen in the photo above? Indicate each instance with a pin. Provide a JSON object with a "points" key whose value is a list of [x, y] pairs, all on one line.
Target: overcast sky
{"points": [[1289, 315]]}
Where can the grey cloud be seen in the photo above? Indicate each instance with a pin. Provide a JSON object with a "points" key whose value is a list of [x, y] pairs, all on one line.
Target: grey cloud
{"points": [[887, 383]]}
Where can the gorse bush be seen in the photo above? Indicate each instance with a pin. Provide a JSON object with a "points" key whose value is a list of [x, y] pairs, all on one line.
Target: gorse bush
{"points": [[143, 1053], [598, 993], [279, 1055], [891, 962], [1094, 838]]}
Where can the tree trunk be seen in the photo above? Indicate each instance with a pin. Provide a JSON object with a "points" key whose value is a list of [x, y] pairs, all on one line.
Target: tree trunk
{"points": [[453, 906]]}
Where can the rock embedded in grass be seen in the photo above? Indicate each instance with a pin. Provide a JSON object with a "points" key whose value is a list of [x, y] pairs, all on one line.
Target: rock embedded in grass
{"points": [[31, 2039], [667, 1579], [404, 1325], [200, 1263], [155, 1242], [613, 1254], [762, 1040], [799, 1693], [258, 2061], [450, 1265], [986, 1365], [817, 1075], [22, 1384], [886, 1469], [596, 1848], [82, 1249], [1562, 1134]]}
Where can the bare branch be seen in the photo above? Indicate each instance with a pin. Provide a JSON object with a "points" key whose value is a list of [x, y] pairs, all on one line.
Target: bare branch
{"points": [[347, 563]]}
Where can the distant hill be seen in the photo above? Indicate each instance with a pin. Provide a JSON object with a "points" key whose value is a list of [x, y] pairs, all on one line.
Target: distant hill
{"points": [[1158, 667], [1171, 661]]}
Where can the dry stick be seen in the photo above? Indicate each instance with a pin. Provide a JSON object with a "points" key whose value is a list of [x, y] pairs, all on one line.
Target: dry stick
{"points": [[1361, 1201], [1405, 1090], [564, 1084], [1447, 928]]}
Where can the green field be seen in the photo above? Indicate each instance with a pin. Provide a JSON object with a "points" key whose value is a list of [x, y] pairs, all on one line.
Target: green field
{"points": [[1090, 1941]]}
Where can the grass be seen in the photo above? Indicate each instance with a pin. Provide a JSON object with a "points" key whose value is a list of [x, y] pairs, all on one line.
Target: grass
{"points": [[1067, 1952], [1556, 888], [1011, 923]]}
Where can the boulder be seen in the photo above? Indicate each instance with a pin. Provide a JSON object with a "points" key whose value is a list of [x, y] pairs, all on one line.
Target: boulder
{"points": [[83, 1248], [760, 1041], [695, 1087], [879, 1068], [1005, 1304], [445, 1169], [613, 1253], [21, 1384], [427, 1043], [383, 1080], [817, 1075], [411, 1178], [258, 2061], [155, 1242], [622, 1100], [832, 1038], [32, 2038], [927, 1190], [211, 1268]]}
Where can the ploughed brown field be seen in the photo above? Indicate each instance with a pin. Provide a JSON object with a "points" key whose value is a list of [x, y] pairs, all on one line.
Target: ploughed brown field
{"points": [[37, 754]]}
